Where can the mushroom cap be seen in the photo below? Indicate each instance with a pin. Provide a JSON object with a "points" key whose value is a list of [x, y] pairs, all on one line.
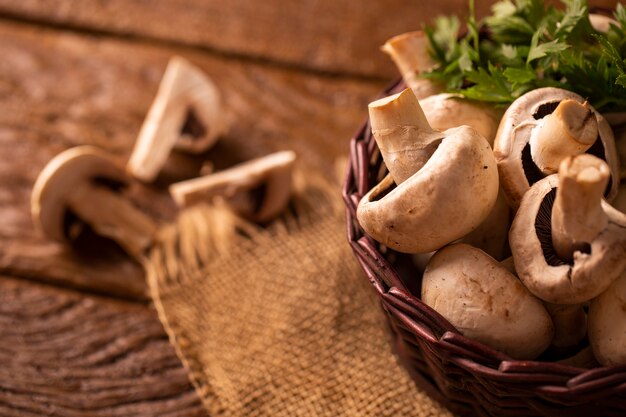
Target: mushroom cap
{"points": [[257, 189], [607, 324], [486, 302], [445, 200], [557, 282], [445, 111], [512, 149], [61, 177]]}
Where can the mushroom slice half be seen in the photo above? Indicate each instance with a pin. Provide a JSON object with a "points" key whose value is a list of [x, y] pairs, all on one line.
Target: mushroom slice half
{"points": [[486, 302], [185, 115], [445, 200], [257, 190], [75, 189], [543, 127]]}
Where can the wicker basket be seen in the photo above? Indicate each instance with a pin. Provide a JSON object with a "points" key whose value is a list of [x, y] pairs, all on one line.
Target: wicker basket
{"points": [[468, 377]]}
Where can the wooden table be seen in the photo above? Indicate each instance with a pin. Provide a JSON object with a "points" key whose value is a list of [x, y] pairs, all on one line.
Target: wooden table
{"points": [[78, 335]]}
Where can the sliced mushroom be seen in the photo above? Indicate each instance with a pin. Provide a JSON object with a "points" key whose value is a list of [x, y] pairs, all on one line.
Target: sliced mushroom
{"points": [[410, 52], [185, 115], [568, 244], [486, 302], [540, 129], [607, 324], [446, 195], [75, 189], [257, 190]]}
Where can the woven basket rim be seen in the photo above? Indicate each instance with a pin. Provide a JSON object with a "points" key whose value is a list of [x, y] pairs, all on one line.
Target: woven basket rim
{"points": [[558, 382]]}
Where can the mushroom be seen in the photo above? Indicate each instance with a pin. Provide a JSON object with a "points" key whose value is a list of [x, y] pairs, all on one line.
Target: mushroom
{"points": [[540, 129], [185, 115], [410, 52], [607, 324], [600, 22], [403, 134], [486, 302], [444, 111], [492, 235], [584, 358], [75, 189], [568, 244], [258, 189], [447, 182]]}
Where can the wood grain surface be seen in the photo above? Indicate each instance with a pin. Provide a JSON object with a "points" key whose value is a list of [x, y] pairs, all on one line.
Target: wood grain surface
{"points": [[294, 75], [54, 363], [337, 36], [329, 35], [60, 89]]}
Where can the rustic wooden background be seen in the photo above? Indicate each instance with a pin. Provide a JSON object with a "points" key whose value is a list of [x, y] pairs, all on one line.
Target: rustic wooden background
{"points": [[77, 334]]}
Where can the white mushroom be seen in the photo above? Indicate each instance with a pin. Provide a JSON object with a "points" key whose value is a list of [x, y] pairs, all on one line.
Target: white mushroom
{"points": [[607, 324], [410, 52], [570, 251], [540, 129], [571, 129], [74, 189], [185, 115], [452, 180], [445, 111], [486, 302], [258, 189], [600, 22], [403, 134]]}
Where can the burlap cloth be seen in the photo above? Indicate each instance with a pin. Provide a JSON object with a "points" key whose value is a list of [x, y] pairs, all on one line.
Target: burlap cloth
{"points": [[278, 321]]}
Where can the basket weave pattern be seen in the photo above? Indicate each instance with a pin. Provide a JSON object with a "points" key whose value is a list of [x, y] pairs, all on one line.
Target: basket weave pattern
{"points": [[466, 376]]}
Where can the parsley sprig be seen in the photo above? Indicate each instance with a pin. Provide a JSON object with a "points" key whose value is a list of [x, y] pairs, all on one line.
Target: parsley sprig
{"points": [[526, 44]]}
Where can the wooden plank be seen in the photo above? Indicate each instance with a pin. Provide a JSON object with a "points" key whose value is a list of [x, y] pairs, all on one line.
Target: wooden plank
{"points": [[329, 35], [60, 89], [67, 354]]}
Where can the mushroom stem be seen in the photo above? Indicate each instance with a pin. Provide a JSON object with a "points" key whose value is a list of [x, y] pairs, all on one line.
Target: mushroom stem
{"points": [[577, 213], [112, 216], [577, 218], [409, 51], [404, 136], [570, 130], [570, 325]]}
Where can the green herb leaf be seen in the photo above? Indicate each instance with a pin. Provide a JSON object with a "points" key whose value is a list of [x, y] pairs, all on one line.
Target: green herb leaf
{"points": [[489, 85], [531, 45], [539, 51], [575, 12], [519, 75]]}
